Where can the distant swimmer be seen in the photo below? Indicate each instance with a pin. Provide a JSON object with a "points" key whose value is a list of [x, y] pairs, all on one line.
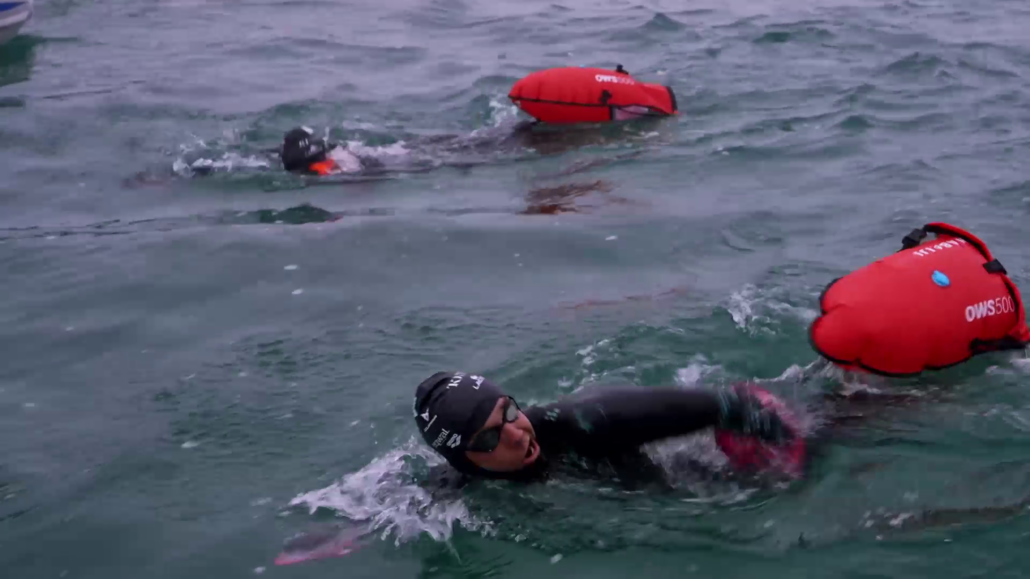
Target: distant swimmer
{"points": [[484, 433], [302, 152]]}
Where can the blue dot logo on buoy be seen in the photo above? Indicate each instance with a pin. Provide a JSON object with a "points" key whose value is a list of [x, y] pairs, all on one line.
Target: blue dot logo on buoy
{"points": [[940, 279]]}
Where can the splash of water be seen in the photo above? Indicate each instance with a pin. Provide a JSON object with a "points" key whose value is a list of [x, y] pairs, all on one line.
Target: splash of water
{"points": [[695, 371], [398, 149], [757, 311], [502, 111], [386, 496]]}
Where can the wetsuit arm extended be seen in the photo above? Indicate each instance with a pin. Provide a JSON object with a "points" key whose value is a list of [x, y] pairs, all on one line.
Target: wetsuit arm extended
{"points": [[616, 420]]}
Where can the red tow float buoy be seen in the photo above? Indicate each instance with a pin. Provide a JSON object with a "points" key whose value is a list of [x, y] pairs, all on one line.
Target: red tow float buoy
{"points": [[931, 305], [590, 95]]}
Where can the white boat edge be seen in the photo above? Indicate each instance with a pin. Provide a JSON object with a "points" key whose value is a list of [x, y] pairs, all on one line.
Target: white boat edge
{"points": [[13, 18]]}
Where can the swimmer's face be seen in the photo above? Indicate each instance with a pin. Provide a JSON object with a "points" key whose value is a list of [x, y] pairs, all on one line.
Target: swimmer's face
{"points": [[506, 442]]}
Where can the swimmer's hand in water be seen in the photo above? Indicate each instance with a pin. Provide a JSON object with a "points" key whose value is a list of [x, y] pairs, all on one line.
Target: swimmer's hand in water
{"points": [[741, 411]]}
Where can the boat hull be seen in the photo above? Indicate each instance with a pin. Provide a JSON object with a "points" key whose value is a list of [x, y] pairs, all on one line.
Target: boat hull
{"points": [[13, 16]]}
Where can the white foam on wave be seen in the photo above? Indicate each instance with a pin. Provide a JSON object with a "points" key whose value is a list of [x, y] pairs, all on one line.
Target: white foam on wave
{"points": [[741, 309], [384, 495], [588, 354], [227, 162], [587, 375], [1020, 362], [347, 161], [697, 369], [360, 125], [502, 110], [398, 149], [850, 382], [180, 167], [758, 311], [197, 144]]}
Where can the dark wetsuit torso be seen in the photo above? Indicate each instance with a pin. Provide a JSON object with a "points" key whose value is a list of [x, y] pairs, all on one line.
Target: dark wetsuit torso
{"points": [[612, 422], [600, 433]]}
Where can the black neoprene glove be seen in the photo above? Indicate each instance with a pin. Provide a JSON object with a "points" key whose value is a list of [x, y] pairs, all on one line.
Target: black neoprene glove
{"points": [[739, 410]]}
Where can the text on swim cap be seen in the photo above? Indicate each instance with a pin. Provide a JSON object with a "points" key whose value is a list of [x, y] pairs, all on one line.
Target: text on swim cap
{"points": [[984, 309], [452, 443], [440, 437], [455, 380]]}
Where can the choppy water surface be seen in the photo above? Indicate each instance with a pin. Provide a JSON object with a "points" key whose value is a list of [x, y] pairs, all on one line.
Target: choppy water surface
{"points": [[204, 358]]}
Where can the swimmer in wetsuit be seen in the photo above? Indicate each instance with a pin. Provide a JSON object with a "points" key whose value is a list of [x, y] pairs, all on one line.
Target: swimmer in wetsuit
{"points": [[482, 432], [302, 152]]}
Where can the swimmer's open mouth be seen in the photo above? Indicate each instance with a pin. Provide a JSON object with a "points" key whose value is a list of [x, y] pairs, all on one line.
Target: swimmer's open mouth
{"points": [[531, 448]]}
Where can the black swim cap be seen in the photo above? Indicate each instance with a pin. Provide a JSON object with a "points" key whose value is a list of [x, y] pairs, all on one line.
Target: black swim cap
{"points": [[449, 408], [301, 148]]}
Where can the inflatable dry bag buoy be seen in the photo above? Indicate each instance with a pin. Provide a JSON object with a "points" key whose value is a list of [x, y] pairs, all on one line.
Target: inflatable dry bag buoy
{"points": [[590, 95], [931, 305]]}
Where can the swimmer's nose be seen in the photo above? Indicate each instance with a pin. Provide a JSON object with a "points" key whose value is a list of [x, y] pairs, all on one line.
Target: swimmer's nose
{"points": [[510, 435]]}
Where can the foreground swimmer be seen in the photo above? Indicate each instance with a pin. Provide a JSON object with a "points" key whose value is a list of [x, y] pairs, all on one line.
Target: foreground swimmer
{"points": [[482, 432]]}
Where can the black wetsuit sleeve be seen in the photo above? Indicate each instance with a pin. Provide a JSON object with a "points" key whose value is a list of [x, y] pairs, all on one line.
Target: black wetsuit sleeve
{"points": [[613, 421]]}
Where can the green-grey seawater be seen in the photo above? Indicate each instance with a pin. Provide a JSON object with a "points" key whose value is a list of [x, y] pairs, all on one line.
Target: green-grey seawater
{"points": [[196, 366]]}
